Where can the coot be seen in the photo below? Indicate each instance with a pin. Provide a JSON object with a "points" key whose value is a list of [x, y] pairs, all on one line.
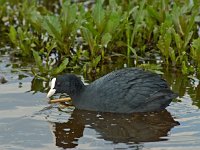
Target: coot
{"points": [[127, 90]]}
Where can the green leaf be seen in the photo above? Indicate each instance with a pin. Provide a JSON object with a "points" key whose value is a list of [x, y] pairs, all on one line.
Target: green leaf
{"points": [[96, 61], [113, 4], [13, 35], [38, 61], [133, 10], [184, 68], [69, 20], [35, 19], [133, 51], [91, 28], [21, 34], [161, 44], [69, 12], [52, 25], [178, 41], [138, 19], [106, 39], [152, 67], [87, 34], [99, 15], [196, 43], [187, 39], [191, 23], [153, 13], [172, 55], [167, 39], [113, 22], [61, 67], [195, 50]]}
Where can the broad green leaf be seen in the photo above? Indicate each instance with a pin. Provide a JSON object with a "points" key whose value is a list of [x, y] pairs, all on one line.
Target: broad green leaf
{"points": [[172, 54], [166, 24], [197, 18], [196, 44], [96, 61], [138, 17], [178, 40], [113, 4], [35, 19], [91, 28], [61, 67], [12, 35], [113, 22], [153, 13], [35, 73], [38, 61], [167, 39], [195, 50], [89, 38], [184, 68], [69, 12], [191, 24], [52, 25], [175, 14], [69, 20], [106, 39], [163, 49], [21, 34], [161, 44], [187, 39], [99, 15], [152, 67]]}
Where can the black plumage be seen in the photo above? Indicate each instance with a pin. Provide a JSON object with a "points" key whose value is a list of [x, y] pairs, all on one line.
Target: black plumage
{"points": [[123, 91]]}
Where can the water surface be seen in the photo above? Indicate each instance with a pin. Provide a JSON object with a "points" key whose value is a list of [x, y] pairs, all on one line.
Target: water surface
{"points": [[27, 121]]}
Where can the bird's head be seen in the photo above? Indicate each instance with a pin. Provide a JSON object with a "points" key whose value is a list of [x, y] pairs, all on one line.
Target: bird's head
{"points": [[67, 83]]}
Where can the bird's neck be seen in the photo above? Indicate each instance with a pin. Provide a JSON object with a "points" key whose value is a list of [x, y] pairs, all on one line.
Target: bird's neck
{"points": [[76, 88]]}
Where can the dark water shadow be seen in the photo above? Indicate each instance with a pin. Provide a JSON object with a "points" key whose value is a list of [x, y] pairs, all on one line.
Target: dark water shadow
{"points": [[117, 128]]}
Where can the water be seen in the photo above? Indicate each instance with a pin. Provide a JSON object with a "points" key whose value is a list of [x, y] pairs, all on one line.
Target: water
{"points": [[27, 121]]}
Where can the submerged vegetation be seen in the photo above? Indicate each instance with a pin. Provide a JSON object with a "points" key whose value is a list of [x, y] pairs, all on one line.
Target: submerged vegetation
{"points": [[86, 35]]}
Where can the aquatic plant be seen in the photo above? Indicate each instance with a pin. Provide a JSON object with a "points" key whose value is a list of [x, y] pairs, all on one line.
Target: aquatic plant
{"points": [[87, 37]]}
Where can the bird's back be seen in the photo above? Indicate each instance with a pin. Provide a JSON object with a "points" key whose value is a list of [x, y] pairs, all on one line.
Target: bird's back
{"points": [[127, 90]]}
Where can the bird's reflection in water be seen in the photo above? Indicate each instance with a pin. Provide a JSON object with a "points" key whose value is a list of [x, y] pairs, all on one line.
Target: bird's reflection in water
{"points": [[118, 128]]}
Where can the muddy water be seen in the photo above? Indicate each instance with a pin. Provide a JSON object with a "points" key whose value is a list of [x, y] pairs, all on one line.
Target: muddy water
{"points": [[27, 121]]}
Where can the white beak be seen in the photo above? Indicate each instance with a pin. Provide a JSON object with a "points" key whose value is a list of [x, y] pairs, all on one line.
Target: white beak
{"points": [[52, 90]]}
